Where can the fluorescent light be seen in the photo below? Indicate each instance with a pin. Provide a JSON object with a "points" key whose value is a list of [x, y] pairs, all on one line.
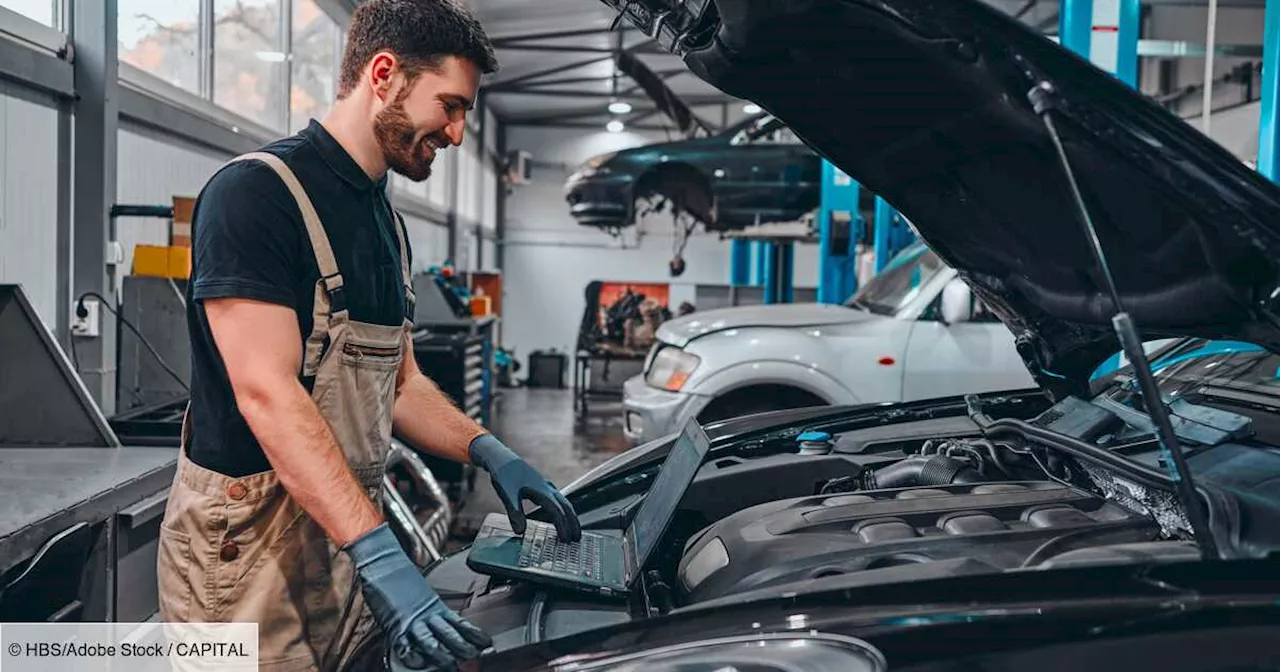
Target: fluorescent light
{"points": [[271, 56], [615, 126], [619, 107], [751, 108]]}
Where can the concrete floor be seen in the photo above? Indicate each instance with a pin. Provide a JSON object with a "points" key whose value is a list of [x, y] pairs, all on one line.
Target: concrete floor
{"points": [[539, 425]]}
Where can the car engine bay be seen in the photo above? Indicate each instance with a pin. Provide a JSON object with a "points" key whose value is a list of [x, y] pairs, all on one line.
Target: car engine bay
{"points": [[1002, 485]]}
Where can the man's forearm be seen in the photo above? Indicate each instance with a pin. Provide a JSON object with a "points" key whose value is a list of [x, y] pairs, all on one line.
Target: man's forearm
{"points": [[430, 421], [308, 461]]}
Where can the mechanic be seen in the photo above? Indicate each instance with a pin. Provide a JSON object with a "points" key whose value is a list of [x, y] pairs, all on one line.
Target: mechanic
{"points": [[299, 309]]}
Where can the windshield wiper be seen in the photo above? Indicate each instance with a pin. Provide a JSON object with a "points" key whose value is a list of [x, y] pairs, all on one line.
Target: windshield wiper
{"points": [[1044, 100]]}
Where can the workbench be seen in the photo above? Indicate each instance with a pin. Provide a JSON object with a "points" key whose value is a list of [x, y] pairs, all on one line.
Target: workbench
{"points": [[43, 490], [66, 480], [120, 492], [608, 383]]}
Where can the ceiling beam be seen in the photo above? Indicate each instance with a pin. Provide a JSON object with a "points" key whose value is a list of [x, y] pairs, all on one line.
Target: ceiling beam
{"points": [[691, 101], [563, 81], [665, 74], [570, 114], [581, 125], [546, 72], [507, 40], [556, 48], [634, 118]]}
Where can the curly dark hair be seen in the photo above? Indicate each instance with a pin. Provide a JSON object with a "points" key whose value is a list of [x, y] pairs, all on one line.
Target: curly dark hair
{"points": [[420, 32]]}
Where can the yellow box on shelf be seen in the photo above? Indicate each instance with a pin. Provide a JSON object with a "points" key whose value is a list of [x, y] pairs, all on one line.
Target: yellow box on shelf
{"points": [[162, 261]]}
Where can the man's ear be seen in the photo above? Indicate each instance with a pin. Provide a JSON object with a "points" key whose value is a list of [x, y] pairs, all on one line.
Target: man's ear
{"points": [[382, 69]]}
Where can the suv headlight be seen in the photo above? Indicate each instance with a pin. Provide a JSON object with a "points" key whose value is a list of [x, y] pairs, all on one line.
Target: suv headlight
{"points": [[671, 368]]}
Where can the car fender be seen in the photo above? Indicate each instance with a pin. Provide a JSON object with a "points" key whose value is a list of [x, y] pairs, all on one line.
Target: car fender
{"points": [[840, 363], [809, 378]]}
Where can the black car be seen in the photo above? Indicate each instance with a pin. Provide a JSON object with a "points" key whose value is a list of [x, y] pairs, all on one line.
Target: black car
{"points": [[1045, 529], [754, 172]]}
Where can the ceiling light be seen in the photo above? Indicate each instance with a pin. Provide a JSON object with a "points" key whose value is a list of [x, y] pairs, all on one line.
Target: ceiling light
{"points": [[271, 56], [615, 126], [751, 108], [619, 107]]}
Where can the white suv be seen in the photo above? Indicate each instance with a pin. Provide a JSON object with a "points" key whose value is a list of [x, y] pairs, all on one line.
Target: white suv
{"points": [[912, 332]]}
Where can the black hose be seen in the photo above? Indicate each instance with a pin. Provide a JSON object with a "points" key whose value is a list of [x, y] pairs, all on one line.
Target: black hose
{"points": [[924, 470], [1083, 451]]}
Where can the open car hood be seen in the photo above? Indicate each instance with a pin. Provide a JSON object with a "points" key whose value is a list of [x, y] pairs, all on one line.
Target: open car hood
{"points": [[925, 103]]}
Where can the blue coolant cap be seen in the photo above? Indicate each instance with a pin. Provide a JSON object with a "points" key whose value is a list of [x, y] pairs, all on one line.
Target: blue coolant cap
{"points": [[813, 436]]}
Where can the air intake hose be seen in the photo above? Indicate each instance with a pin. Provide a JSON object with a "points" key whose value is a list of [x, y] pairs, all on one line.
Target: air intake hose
{"points": [[922, 470]]}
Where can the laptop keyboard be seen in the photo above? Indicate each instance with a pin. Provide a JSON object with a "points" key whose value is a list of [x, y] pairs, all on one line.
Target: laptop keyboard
{"points": [[543, 549]]}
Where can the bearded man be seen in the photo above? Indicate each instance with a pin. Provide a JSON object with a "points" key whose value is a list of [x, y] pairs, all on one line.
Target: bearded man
{"points": [[299, 306]]}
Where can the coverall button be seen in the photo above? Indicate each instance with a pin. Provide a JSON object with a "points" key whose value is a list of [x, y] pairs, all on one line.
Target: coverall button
{"points": [[229, 551], [237, 491]]}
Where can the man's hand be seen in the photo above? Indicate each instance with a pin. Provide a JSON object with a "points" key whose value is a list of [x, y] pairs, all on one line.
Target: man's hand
{"points": [[410, 614], [515, 481]]}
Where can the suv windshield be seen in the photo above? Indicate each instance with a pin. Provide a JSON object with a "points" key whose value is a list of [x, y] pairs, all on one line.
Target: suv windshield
{"points": [[1197, 363], [900, 282]]}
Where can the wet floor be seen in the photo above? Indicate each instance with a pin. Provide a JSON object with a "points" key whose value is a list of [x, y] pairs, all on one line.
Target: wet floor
{"points": [[539, 425]]}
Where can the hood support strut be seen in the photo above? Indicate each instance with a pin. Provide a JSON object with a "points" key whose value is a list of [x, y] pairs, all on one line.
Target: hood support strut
{"points": [[1043, 98]]}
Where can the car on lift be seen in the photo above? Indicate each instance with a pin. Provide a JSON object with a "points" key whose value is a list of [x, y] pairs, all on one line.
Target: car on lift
{"points": [[1040, 529], [912, 332], [753, 172]]}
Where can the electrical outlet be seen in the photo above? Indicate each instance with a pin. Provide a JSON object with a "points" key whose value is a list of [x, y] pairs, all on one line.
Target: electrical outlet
{"points": [[89, 326]]}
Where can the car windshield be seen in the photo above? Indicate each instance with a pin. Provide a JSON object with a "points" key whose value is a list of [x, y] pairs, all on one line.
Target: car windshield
{"points": [[1194, 364], [900, 282]]}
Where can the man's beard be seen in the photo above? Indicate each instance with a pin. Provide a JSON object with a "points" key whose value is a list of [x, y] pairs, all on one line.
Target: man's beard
{"points": [[394, 132]]}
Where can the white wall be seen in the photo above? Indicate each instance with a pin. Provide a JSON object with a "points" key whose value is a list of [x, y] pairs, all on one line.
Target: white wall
{"points": [[549, 258], [29, 197], [151, 171], [1236, 129], [428, 240]]}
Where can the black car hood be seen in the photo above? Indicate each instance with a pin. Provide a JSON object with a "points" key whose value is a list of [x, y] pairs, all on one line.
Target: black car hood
{"points": [[925, 103]]}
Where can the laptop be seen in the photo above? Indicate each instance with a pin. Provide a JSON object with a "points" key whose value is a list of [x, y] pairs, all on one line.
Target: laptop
{"points": [[606, 562]]}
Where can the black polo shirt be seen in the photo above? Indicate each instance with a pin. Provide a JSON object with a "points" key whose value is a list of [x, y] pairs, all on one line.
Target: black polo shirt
{"points": [[249, 242]]}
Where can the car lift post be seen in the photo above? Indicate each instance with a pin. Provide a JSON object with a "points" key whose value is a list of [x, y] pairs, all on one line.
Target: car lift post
{"points": [[759, 256], [778, 271], [839, 230], [891, 233], [739, 267], [1268, 131], [1106, 31]]}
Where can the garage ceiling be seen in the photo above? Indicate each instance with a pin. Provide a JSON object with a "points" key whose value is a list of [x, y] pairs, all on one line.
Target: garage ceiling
{"points": [[557, 66], [557, 63]]}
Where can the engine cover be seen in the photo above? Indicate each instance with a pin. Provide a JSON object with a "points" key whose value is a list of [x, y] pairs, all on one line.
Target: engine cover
{"points": [[932, 531]]}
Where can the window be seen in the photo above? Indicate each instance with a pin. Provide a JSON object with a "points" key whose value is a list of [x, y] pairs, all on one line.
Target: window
{"points": [[44, 11], [162, 37], [249, 60], [314, 68], [900, 282]]}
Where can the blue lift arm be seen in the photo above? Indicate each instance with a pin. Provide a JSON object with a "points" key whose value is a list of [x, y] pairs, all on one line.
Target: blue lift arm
{"points": [[891, 233], [1268, 131], [760, 259], [739, 262], [779, 272]]}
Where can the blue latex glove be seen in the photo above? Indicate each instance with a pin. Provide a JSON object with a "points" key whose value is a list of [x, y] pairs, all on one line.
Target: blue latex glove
{"points": [[414, 619], [516, 481]]}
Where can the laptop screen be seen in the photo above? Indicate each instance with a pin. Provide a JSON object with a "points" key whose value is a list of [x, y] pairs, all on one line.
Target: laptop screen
{"points": [[668, 488]]}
